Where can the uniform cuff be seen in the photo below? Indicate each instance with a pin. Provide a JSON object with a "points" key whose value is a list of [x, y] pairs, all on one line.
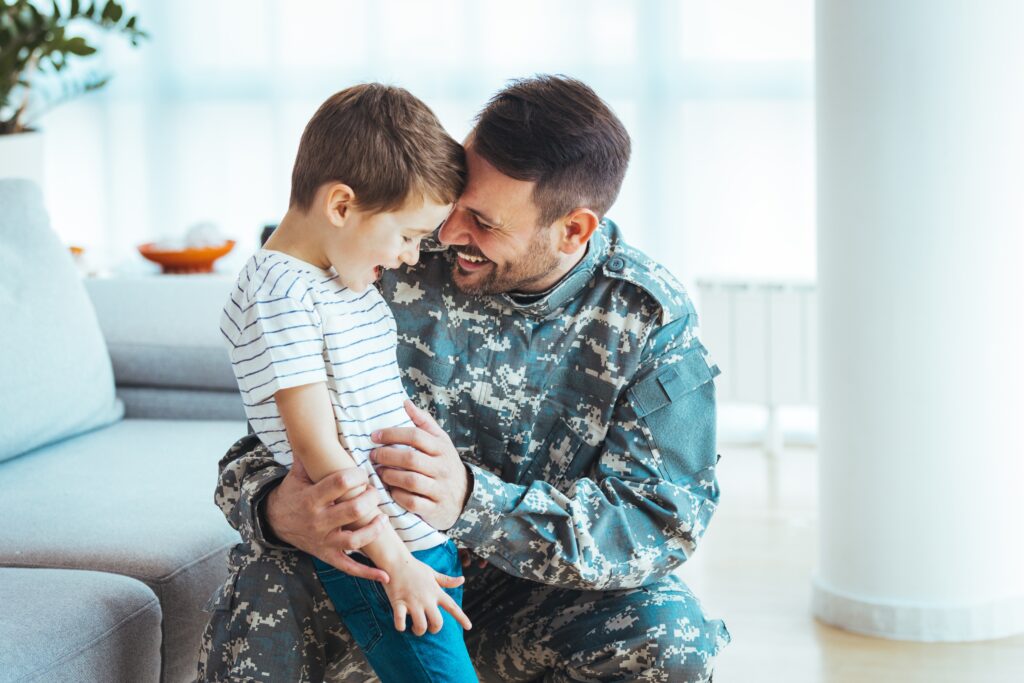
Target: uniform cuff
{"points": [[483, 511]]}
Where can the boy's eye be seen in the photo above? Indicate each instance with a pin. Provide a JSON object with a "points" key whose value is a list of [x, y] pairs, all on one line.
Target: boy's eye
{"points": [[407, 240]]}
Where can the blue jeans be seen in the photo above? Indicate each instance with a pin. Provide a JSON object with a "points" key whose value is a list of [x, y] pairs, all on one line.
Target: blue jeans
{"points": [[401, 657]]}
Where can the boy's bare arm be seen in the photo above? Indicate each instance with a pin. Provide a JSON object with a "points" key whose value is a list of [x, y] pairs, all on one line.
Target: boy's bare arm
{"points": [[413, 588], [312, 433]]}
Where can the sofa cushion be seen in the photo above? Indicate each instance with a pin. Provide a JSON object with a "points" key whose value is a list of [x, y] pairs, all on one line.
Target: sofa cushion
{"points": [[63, 625], [55, 368], [135, 498], [164, 331]]}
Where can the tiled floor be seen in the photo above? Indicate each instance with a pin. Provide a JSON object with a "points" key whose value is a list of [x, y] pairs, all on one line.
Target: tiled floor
{"points": [[754, 570]]}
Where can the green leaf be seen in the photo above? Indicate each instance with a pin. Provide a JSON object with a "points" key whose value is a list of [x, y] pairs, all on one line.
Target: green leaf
{"points": [[78, 46], [112, 12]]}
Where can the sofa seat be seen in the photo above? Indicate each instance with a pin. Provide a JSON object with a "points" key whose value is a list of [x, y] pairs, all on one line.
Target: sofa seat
{"points": [[78, 626], [134, 498]]}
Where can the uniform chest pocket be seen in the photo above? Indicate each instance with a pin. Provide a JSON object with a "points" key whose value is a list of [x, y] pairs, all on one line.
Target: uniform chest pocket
{"points": [[558, 460]]}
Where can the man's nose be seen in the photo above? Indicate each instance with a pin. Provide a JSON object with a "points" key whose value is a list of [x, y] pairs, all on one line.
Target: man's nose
{"points": [[455, 229]]}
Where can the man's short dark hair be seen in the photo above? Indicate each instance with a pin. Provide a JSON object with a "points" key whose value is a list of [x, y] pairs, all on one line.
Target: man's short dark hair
{"points": [[384, 143], [555, 131]]}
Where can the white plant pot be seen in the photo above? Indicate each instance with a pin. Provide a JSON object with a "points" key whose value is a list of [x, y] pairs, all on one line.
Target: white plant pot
{"points": [[21, 156]]}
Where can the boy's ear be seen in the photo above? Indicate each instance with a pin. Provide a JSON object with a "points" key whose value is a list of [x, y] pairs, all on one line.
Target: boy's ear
{"points": [[338, 202], [577, 226]]}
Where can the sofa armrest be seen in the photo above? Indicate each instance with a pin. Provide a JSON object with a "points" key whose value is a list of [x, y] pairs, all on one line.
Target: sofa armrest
{"points": [[162, 333]]}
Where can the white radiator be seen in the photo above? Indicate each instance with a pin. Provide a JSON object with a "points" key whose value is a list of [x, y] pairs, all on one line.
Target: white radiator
{"points": [[764, 337]]}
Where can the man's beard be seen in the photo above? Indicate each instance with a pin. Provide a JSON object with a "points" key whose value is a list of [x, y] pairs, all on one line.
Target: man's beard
{"points": [[536, 263]]}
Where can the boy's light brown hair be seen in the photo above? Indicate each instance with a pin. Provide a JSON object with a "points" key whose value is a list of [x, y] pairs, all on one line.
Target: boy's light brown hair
{"points": [[385, 144]]}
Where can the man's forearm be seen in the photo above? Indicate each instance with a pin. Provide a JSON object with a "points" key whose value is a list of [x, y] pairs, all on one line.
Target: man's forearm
{"points": [[612, 535]]}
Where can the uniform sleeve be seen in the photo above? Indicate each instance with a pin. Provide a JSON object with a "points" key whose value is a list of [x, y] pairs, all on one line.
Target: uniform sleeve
{"points": [[248, 472], [275, 343], [644, 506]]}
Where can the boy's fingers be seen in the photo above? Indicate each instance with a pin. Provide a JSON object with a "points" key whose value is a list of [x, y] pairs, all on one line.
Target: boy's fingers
{"points": [[446, 581], [435, 619], [452, 608], [419, 622], [400, 613]]}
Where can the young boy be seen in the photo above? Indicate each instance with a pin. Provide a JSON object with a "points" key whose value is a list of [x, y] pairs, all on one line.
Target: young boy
{"points": [[312, 344]]}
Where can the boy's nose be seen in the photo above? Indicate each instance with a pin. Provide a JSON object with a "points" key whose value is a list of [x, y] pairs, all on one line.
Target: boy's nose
{"points": [[411, 256]]}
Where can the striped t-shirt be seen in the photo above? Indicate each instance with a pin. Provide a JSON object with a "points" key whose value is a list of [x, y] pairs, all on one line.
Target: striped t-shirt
{"points": [[289, 323]]}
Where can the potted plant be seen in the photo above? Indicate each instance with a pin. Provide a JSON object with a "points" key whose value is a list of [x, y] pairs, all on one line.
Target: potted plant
{"points": [[35, 42]]}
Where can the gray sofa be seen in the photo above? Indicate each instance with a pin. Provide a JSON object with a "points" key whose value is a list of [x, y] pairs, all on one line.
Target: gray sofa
{"points": [[117, 402]]}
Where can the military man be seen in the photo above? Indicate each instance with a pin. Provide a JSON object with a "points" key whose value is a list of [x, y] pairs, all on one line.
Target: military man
{"points": [[569, 444]]}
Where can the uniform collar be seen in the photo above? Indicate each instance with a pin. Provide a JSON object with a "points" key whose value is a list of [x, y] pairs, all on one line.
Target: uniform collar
{"points": [[543, 305]]}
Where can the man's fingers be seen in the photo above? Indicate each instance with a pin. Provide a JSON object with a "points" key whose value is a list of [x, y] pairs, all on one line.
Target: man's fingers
{"points": [[452, 608], [337, 484], [407, 436], [413, 503], [346, 540], [423, 419], [404, 458], [413, 482], [354, 509], [346, 564], [299, 471]]}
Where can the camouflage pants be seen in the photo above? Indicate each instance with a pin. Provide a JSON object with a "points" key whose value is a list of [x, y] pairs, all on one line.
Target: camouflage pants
{"points": [[273, 622]]}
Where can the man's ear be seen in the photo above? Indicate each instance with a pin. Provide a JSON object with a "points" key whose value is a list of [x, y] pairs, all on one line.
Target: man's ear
{"points": [[577, 227], [338, 202]]}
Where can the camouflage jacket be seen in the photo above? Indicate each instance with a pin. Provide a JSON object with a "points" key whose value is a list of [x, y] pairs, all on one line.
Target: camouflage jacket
{"points": [[586, 417]]}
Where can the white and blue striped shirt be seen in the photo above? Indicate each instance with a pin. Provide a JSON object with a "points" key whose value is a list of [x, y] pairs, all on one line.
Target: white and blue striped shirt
{"points": [[289, 323]]}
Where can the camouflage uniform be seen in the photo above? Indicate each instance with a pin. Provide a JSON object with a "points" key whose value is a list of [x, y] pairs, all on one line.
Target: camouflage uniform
{"points": [[587, 418]]}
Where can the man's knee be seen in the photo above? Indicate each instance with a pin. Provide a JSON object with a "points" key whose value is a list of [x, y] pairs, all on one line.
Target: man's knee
{"points": [[272, 622], [683, 641]]}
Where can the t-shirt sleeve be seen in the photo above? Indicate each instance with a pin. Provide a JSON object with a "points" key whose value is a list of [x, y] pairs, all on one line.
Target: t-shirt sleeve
{"points": [[275, 343]]}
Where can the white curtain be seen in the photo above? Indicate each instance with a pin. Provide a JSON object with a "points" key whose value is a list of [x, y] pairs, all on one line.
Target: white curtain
{"points": [[201, 123]]}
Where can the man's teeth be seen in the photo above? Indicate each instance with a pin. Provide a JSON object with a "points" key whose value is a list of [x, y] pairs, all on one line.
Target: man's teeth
{"points": [[472, 259]]}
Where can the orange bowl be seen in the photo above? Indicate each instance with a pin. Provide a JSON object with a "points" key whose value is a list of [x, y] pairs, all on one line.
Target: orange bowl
{"points": [[191, 260]]}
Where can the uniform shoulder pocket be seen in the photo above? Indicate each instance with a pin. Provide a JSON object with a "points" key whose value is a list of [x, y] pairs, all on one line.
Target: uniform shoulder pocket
{"points": [[676, 407], [672, 382]]}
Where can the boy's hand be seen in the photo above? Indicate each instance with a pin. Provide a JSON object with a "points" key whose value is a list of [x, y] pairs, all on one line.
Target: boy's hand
{"points": [[427, 478], [415, 592], [306, 515]]}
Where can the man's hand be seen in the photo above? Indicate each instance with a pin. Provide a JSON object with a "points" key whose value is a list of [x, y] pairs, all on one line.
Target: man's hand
{"points": [[430, 479], [306, 515]]}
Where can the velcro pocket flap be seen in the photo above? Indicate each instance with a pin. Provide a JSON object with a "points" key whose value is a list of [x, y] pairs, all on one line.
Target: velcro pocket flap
{"points": [[670, 383]]}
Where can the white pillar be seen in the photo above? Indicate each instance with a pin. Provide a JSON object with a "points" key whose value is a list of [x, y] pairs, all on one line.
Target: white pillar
{"points": [[921, 272]]}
